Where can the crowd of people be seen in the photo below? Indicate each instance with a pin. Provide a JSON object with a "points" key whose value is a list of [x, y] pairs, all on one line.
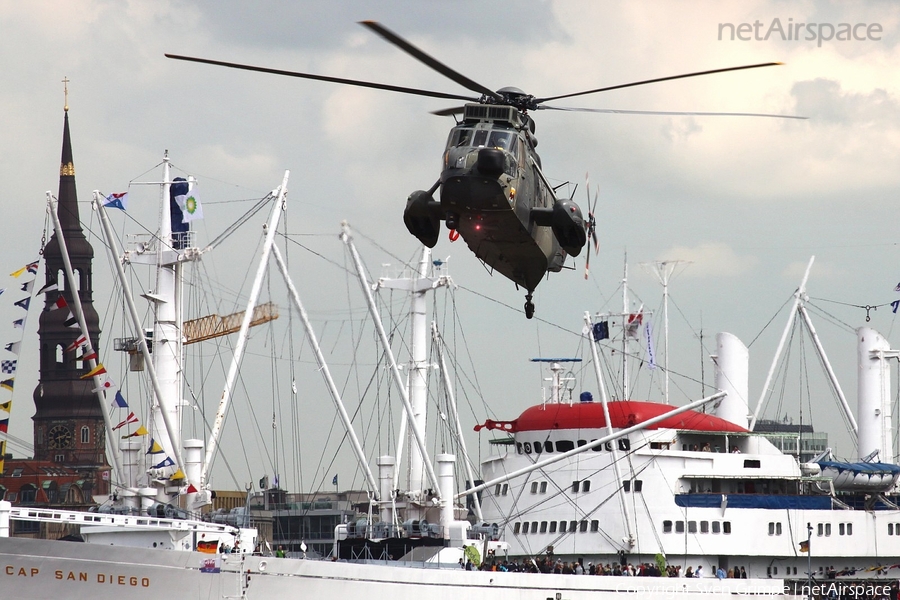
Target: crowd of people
{"points": [[547, 564]]}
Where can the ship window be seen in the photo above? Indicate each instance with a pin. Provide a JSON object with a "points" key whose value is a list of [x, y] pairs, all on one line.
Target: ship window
{"points": [[716, 527], [564, 445], [519, 447], [692, 526], [534, 487], [624, 444], [552, 526], [679, 526], [840, 529], [548, 446], [572, 526], [538, 447], [777, 528], [497, 490], [562, 526], [505, 489], [827, 529], [667, 526], [575, 486], [595, 526], [774, 570], [769, 571], [771, 528], [638, 485], [516, 528], [543, 526], [849, 528], [583, 526], [543, 487], [820, 529], [586, 485], [751, 464], [582, 443], [890, 529], [527, 447], [626, 485], [726, 526], [704, 526], [598, 448]]}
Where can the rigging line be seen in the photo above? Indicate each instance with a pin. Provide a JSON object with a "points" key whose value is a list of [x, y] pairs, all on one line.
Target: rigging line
{"points": [[515, 309], [863, 306], [242, 220], [834, 319], [296, 433], [773, 317]]}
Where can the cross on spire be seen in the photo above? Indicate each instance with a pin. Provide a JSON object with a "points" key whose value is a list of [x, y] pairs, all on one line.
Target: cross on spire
{"points": [[65, 82]]}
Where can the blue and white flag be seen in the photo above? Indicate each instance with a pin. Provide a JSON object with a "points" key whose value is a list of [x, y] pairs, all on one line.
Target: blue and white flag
{"points": [[120, 400], [651, 353], [166, 463], [24, 302], [118, 200]]}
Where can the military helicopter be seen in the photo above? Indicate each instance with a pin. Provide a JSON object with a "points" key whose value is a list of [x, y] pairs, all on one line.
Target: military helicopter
{"points": [[493, 192]]}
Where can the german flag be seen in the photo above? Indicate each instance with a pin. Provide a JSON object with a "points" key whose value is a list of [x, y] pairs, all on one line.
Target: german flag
{"points": [[207, 547]]}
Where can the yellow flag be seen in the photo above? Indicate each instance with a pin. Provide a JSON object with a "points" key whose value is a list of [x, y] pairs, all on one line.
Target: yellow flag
{"points": [[7, 406], [98, 370], [141, 430], [179, 474]]}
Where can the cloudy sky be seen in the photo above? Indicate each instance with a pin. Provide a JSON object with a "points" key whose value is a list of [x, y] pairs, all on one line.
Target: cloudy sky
{"points": [[746, 201]]}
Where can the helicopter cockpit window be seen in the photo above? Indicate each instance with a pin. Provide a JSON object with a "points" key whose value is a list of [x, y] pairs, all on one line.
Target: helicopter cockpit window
{"points": [[503, 140], [480, 138], [460, 137]]}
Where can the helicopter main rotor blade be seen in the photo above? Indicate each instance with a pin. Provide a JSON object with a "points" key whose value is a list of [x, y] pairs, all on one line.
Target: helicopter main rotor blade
{"points": [[616, 111], [447, 112], [438, 66], [356, 82], [657, 80]]}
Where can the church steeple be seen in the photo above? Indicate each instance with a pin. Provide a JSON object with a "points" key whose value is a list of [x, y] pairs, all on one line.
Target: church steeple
{"points": [[68, 422]]}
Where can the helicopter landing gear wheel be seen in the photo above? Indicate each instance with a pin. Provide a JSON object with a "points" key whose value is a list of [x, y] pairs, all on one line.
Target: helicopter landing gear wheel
{"points": [[529, 307]]}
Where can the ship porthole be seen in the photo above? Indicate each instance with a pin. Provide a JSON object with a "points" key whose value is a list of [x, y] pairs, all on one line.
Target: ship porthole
{"points": [[262, 565]]}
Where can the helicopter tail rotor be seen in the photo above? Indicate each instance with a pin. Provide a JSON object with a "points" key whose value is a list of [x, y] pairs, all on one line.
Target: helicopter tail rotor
{"points": [[590, 225]]}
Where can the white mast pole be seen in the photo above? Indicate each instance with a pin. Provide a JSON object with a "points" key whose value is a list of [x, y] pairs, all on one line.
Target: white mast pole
{"points": [[326, 373], [845, 406], [787, 328], [395, 372], [609, 429], [270, 230], [79, 314], [625, 315], [451, 398]]}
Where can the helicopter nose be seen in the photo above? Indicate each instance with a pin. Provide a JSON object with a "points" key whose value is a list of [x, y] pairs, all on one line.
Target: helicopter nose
{"points": [[490, 162]]}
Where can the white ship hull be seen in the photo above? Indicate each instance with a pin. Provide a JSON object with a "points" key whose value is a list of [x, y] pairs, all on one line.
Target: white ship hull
{"points": [[54, 569]]}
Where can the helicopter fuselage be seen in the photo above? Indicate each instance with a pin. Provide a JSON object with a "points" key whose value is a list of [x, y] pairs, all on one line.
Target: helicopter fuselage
{"points": [[494, 195]]}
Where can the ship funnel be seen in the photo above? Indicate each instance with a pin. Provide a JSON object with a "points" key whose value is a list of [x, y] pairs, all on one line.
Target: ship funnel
{"points": [[732, 374], [873, 395]]}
